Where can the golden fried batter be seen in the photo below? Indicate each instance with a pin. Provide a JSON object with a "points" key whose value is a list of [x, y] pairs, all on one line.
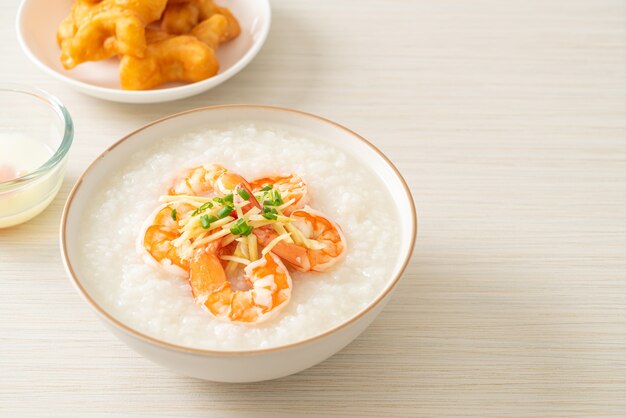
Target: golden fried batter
{"points": [[181, 58], [180, 18], [106, 35], [66, 30], [211, 31], [158, 41], [156, 35], [208, 9], [100, 30], [147, 10]]}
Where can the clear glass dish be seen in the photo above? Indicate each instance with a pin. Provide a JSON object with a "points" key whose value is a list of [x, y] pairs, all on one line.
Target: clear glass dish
{"points": [[36, 132]]}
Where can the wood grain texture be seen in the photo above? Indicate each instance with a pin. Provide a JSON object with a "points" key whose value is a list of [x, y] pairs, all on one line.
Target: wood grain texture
{"points": [[508, 120]]}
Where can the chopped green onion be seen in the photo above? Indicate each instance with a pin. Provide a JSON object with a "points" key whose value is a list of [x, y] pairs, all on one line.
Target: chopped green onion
{"points": [[236, 226], [218, 200], [224, 212], [228, 198], [267, 188], [241, 227], [202, 208], [212, 218], [270, 213], [174, 214], [244, 194], [278, 198], [274, 198], [205, 222]]}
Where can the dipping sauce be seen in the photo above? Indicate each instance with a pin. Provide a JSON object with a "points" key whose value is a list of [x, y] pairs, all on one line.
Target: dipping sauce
{"points": [[20, 155], [36, 133]]}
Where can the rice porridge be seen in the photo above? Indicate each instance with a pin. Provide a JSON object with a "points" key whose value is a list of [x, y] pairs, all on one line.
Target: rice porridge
{"points": [[159, 303]]}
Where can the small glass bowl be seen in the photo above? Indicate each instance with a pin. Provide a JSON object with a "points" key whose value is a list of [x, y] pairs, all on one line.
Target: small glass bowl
{"points": [[32, 115]]}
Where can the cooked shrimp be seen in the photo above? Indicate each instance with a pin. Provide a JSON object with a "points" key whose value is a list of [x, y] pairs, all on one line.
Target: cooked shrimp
{"points": [[268, 280], [227, 237], [318, 242], [208, 180], [198, 181], [290, 187], [160, 229]]}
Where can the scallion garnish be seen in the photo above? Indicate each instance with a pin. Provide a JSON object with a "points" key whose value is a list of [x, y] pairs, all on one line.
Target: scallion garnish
{"points": [[244, 194], [278, 198], [270, 213], [218, 200], [224, 212], [205, 222], [202, 208], [174, 214], [267, 188], [228, 198], [274, 198], [241, 227]]}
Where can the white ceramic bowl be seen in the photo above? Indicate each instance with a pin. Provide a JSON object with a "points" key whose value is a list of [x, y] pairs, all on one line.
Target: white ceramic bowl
{"points": [[37, 22], [250, 365]]}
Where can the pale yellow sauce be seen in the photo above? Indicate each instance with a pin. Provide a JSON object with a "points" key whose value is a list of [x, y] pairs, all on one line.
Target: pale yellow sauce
{"points": [[20, 155]]}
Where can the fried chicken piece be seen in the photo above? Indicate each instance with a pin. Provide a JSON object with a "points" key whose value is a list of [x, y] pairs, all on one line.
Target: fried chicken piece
{"points": [[181, 58]]}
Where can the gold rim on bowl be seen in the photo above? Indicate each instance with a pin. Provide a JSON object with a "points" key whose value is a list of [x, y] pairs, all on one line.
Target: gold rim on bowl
{"points": [[175, 347]]}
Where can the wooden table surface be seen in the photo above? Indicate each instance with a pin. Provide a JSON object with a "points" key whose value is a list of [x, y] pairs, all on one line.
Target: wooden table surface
{"points": [[508, 119]]}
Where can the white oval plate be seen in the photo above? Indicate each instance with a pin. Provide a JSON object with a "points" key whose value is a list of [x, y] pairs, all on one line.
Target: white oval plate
{"points": [[37, 22]]}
